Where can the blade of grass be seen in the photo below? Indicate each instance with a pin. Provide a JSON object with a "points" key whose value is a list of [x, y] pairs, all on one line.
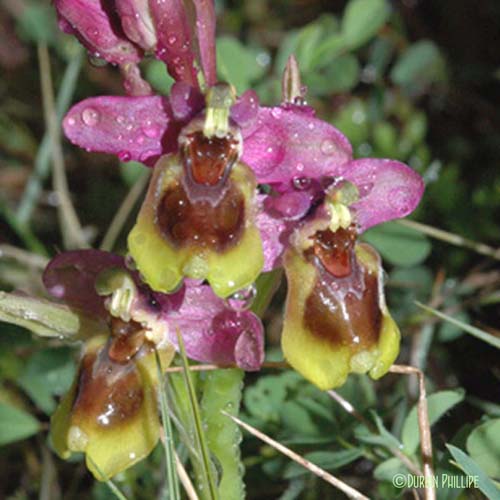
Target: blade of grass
{"points": [[123, 212], [42, 160], [168, 444], [476, 332], [206, 467], [345, 488], [70, 225], [452, 238], [112, 486]]}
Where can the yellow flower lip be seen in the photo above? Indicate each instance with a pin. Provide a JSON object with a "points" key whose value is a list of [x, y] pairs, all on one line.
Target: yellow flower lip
{"points": [[336, 320], [111, 413]]}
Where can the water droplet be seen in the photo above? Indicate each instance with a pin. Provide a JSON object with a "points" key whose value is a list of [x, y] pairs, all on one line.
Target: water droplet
{"points": [[276, 112], [151, 131], [120, 119], [242, 300], [97, 61], [365, 189], [328, 147], [124, 156], [401, 199], [71, 121], [140, 139], [90, 117], [310, 126], [172, 39], [301, 183], [299, 167]]}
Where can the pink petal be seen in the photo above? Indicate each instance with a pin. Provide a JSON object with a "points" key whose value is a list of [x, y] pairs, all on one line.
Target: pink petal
{"points": [[174, 40], [97, 27], [205, 31], [70, 277], [288, 141], [246, 109], [185, 100], [212, 332], [388, 190], [274, 233], [134, 128], [137, 22]]}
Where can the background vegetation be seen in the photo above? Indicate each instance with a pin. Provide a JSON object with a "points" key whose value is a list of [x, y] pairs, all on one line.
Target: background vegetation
{"points": [[407, 79]]}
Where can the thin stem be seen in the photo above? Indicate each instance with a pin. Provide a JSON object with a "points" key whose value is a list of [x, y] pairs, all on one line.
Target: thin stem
{"points": [[42, 161], [70, 225], [345, 488], [123, 212], [349, 408], [185, 480], [452, 238], [205, 368], [30, 259], [423, 425]]}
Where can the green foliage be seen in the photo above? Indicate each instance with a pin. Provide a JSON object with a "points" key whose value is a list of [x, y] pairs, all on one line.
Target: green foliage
{"points": [[483, 445], [16, 424], [438, 405], [399, 245], [471, 468]]}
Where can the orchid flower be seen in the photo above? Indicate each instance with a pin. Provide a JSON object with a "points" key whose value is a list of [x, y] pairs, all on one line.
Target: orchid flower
{"points": [[115, 389], [317, 201]]}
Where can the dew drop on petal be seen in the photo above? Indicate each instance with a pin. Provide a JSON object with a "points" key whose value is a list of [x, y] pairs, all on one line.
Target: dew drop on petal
{"points": [[242, 300], [328, 147], [140, 139], [120, 119], [365, 189], [90, 117], [301, 183], [276, 112], [299, 167], [151, 131], [172, 39], [124, 156], [71, 121], [400, 199]]}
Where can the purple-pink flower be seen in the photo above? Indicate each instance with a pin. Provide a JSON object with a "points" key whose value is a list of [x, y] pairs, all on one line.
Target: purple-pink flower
{"points": [[203, 217]]}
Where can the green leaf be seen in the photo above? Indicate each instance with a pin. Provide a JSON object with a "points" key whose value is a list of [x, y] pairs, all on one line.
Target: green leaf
{"points": [[471, 468], [438, 404], [341, 75], [362, 20], [420, 65], [483, 445], [238, 64], [16, 424], [156, 74], [328, 460], [222, 392], [399, 245], [49, 372], [387, 470]]}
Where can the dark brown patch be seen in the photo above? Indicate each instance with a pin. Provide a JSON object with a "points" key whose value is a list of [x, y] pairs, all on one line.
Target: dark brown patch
{"points": [[324, 318], [208, 158], [187, 223], [127, 339], [108, 394], [335, 250]]}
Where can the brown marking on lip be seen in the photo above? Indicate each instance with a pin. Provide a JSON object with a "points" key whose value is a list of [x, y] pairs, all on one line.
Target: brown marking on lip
{"points": [[108, 394], [127, 338], [185, 223], [209, 158], [324, 318], [335, 250]]}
